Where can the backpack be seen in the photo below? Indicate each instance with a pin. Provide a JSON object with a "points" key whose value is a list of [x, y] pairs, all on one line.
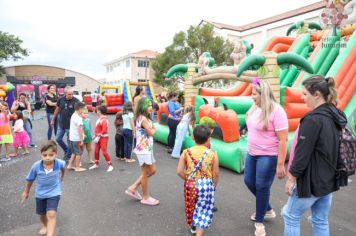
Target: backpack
{"points": [[346, 163], [347, 151]]}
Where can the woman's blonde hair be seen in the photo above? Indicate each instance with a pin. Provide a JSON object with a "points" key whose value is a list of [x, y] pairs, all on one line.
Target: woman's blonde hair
{"points": [[190, 109], [268, 101]]}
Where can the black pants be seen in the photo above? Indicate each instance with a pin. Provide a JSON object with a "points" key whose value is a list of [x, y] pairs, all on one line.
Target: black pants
{"points": [[172, 125], [119, 144]]}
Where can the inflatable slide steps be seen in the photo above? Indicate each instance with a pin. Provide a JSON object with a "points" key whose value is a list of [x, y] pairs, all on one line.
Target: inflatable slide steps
{"points": [[322, 57], [344, 72]]}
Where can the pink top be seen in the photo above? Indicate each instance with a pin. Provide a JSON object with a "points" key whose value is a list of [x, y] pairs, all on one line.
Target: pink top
{"points": [[292, 150], [265, 142]]}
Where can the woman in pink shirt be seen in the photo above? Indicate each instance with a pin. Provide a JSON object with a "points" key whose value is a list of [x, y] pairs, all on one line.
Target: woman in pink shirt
{"points": [[267, 125]]}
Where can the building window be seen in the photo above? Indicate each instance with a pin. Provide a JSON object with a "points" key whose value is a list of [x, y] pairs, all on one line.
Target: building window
{"points": [[143, 63], [128, 63]]}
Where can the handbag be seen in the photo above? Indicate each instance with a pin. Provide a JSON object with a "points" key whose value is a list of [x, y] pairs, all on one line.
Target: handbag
{"points": [[96, 139], [190, 189]]}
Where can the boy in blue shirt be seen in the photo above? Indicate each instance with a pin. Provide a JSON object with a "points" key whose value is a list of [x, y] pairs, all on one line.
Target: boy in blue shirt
{"points": [[49, 173]]}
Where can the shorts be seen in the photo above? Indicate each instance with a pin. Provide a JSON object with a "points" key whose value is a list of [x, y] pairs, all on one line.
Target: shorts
{"points": [[147, 159], [75, 148], [47, 204], [93, 104]]}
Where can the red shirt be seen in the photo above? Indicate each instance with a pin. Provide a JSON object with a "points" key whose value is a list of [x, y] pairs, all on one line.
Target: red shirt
{"points": [[101, 127]]}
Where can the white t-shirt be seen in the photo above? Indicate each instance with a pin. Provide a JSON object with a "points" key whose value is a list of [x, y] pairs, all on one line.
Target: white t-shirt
{"points": [[75, 122], [94, 97], [18, 127], [126, 120]]}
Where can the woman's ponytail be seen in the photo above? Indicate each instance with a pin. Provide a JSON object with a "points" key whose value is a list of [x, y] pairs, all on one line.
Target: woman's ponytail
{"points": [[332, 96]]}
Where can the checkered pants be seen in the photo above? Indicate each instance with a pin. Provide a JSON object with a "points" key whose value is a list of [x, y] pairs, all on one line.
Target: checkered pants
{"points": [[203, 213]]}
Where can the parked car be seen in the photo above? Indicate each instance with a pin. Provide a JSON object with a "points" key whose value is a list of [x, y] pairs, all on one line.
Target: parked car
{"points": [[77, 95]]}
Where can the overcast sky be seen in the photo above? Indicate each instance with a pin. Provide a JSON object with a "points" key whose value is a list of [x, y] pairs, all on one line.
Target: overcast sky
{"points": [[84, 34]]}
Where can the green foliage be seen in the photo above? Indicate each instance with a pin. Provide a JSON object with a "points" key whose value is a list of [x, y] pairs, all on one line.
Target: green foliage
{"points": [[262, 71], [205, 120], [10, 48], [188, 46]]}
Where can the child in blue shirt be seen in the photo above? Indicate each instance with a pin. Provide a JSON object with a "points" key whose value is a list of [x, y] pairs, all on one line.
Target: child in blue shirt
{"points": [[49, 173]]}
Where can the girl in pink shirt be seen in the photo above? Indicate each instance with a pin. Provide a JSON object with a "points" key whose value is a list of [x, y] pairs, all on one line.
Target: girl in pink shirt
{"points": [[267, 135]]}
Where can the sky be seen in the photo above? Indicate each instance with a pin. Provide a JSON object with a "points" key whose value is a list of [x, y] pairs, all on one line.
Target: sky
{"points": [[82, 35]]}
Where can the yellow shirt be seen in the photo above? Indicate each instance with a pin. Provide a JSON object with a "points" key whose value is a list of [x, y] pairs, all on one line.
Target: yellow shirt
{"points": [[192, 159]]}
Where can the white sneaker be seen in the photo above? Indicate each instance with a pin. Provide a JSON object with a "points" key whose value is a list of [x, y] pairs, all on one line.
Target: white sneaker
{"points": [[93, 167], [260, 229], [268, 215], [110, 168]]}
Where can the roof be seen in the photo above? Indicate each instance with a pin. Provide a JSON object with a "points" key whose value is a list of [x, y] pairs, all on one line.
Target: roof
{"points": [[29, 65], [140, 54], [276, 18], [145, 53]]}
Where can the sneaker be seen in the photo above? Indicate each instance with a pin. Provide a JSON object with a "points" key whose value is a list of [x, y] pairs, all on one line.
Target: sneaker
{"points": [[110, 168], [33, 145], [93, 167], [268, 215], [193, 229], [260, 229], [3, 159]]}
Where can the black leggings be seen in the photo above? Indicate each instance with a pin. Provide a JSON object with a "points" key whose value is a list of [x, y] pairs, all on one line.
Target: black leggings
{"points": [[172, 124], [119, 144]]}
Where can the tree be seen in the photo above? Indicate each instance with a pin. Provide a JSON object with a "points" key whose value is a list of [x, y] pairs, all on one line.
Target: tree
{"points": [[10, 49], [188, 46]]}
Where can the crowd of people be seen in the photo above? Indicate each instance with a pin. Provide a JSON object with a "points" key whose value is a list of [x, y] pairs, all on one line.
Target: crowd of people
{"points": [[310, 182]]}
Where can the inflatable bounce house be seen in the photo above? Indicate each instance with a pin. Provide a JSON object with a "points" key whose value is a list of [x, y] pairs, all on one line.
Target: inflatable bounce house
{"points": [[285, 62], [149, 91], [112, 94], [115, 100]]}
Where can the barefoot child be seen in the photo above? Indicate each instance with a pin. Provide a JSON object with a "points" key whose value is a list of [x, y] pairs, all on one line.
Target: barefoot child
{"points": [[102, 138], [49, 173], [199, 168], [119, 137], [88, 135], [76, 137], [144, 152], [21, 138], [5, 130]]}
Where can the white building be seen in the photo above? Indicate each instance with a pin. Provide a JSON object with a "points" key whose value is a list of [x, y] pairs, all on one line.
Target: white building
{"points": [[131, 67], [260, 31]]}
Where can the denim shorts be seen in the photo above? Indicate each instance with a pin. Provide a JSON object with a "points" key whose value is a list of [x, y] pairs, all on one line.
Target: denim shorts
{"points": [[46, 204], [75, 148]]}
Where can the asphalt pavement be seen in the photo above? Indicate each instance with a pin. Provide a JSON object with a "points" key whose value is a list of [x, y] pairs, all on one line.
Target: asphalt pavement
{"points": [[94, 203]]}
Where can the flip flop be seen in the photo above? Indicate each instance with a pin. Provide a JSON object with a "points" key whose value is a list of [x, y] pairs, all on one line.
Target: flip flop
{"points": [[135, 195], [150, 201], [79, 169], [130, 160]]}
